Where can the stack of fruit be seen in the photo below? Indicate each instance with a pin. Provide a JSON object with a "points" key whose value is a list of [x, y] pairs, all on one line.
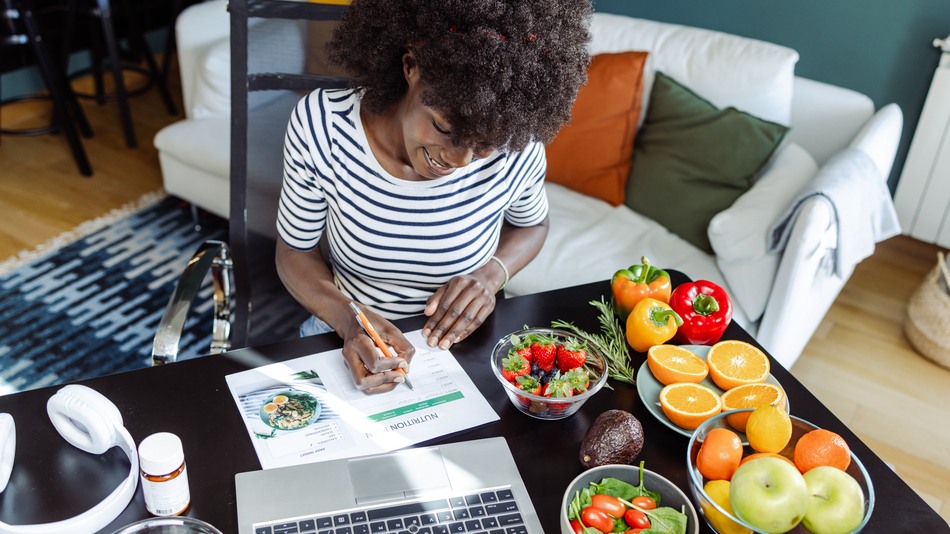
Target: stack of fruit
{"points": [[547, 372], [790, 473], [738, 368]]}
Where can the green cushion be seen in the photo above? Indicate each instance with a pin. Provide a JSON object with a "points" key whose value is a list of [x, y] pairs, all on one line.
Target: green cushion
{"points": [[692, 160]]}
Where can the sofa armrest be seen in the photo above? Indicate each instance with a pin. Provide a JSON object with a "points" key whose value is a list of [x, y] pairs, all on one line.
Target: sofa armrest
{"points": [[198, 28], [804, 287], [880, 136], [803, 290]]}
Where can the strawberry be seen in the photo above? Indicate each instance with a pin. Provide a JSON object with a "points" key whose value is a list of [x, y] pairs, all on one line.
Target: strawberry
{"points": [[543, 353], [558, 387], [528, 384], [571, 355], [521, 346], [514, 366], [579, 379]]}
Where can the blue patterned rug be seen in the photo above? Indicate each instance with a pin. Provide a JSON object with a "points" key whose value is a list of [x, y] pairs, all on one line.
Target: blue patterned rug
{"points": [[92, 307]]}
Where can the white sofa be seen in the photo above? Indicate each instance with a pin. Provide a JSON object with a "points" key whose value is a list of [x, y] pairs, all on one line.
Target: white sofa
{"points": [[781, 297]]}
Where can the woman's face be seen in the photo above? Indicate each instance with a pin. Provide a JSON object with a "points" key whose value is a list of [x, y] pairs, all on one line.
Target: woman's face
{"points": [[427, 134]]}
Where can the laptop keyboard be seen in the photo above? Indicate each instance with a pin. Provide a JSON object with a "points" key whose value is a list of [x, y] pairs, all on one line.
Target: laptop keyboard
{"points": [[491, 511]]}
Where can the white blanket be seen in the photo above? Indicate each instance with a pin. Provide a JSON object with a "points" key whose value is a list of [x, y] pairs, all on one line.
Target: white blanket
{"points": [[860, 201]]}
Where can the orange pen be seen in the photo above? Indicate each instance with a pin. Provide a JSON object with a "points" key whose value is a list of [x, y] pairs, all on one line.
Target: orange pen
{"points": [[364, 322]]}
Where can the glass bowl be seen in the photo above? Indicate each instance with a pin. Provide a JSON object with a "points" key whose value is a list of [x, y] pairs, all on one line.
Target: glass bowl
{"points": [[539, 406], [169, 525], [799, 428], [670, 494]]}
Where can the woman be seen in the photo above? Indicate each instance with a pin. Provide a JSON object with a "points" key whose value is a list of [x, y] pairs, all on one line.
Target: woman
{"points": [[427, 177]]}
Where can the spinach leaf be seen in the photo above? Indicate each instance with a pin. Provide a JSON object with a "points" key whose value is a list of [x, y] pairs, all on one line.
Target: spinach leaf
{"points": [[615, 487], [665, 520]]}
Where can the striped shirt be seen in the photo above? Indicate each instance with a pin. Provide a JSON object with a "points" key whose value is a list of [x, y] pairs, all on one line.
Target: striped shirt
{"points": [[393, 242]]}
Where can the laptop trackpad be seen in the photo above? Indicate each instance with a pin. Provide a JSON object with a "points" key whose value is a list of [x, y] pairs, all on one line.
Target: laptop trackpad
{"points": [[407, 473]]}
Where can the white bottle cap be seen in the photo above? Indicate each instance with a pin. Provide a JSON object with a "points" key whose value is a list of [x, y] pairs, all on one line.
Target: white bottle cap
{"points": [[161, 453]]}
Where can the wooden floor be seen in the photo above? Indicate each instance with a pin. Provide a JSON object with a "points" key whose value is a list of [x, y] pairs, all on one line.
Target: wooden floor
{"points": [[858, 363], [42, 193]]}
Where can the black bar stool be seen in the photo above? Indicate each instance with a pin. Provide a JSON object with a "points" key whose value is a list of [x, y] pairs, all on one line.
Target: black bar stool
{"points": [[18, 28], [108, 12]]}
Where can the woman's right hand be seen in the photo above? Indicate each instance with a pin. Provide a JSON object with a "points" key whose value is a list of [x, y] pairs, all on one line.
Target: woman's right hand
{"points": [[372, 371]]}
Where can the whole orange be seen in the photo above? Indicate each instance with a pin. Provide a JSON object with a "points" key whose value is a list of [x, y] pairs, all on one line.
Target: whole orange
{"points": [[719, 455], [822, 447]]}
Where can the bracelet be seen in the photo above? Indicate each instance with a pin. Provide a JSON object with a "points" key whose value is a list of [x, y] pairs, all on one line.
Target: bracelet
{"points": [[503, 268]]}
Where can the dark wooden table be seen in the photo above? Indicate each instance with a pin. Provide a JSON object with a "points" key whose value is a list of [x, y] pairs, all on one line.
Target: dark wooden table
{"points": [[51, 480]]}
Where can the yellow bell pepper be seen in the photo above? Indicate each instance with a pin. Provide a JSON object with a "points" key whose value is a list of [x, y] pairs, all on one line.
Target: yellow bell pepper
{"points": [[652, 322]]}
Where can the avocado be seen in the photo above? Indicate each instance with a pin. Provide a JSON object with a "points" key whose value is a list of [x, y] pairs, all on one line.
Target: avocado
{"points": [[615, 437]]}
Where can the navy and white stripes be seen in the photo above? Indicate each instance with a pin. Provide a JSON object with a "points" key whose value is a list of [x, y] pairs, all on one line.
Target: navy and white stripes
{"points": [[393, 242]]}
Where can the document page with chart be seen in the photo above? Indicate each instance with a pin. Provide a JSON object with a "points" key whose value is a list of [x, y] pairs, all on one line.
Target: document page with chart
{"points": [[308, 409]]}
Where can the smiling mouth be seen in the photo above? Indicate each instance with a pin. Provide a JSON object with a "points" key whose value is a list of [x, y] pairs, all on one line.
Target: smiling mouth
{"points": [[439, 168]]}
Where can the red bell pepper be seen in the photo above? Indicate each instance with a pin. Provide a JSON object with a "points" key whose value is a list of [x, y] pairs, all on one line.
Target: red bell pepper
{"points": [[706, 311], [632, 285]]}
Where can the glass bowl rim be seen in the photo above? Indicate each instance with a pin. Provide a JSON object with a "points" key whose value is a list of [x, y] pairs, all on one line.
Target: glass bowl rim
{"points": [[591, 390], [692, 473]]}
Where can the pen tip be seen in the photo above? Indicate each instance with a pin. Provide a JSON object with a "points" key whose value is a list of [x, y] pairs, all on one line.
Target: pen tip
{"points": [[408, 383]]}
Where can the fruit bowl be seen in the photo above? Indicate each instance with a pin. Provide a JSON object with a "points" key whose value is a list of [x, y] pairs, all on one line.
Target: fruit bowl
{"points": [[670, 494], [717, 516], [539, 405]]}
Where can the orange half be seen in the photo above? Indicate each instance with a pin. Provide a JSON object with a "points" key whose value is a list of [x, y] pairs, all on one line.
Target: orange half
{"points": [[734, 363], [671, 364], [687, 404]]}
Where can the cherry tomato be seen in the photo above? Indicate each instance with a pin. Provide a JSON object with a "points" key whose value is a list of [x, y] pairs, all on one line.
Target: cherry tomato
{"points": [[577, 527], [609, 504], [636, 519], [596, 518], [644, 502]]}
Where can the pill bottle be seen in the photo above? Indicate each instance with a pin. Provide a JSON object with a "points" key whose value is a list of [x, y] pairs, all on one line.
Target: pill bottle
{"points": [[164, 477]]}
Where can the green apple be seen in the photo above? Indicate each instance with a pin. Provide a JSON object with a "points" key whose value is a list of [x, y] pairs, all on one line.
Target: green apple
{"points": [[769, 494], [837, 501]]}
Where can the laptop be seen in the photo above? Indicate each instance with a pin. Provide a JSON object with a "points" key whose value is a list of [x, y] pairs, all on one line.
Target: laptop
{"points": [[468, 486]]}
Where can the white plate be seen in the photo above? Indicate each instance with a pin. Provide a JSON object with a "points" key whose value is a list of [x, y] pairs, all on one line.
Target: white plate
{"points": [[649, 389]]}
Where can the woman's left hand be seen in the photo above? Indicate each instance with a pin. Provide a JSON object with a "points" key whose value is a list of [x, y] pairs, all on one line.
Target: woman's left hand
{"points": [[456, 309]]}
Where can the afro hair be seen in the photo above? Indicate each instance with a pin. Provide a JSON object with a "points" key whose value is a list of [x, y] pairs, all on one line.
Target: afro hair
{"points": [[504, 73]]}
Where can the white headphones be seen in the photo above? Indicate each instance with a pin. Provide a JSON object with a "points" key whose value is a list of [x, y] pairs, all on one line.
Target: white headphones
{"points": [[89, 421]]}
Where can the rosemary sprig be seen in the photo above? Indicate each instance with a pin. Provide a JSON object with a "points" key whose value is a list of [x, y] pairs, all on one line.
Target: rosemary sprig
{"points": [[611, 342]]}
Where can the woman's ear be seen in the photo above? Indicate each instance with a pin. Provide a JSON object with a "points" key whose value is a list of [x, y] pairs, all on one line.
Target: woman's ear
{"points": [[410, 69]]}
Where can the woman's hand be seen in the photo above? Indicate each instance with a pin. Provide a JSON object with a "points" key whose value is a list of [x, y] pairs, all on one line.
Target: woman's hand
{"points": [[456, 309], [372, 371]]}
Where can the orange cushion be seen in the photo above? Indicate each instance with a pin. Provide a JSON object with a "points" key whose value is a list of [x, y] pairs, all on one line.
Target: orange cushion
{"points": [[593, 152]]}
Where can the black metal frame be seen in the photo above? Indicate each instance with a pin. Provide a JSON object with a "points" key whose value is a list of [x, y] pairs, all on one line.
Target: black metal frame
{"points": [[241, 84], [67, 114]]}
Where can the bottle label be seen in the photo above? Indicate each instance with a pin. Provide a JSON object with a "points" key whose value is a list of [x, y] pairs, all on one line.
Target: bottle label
{"points": [[169, 497]]}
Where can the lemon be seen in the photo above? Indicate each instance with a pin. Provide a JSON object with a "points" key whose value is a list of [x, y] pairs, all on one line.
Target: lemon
{"points": [[769, 429], [718, 491]]}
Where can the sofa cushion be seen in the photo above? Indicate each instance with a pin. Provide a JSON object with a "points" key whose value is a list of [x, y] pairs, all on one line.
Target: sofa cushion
{"points": [[592, 153], [738, 234], [728, 70], [693, 160], [588, 240]]}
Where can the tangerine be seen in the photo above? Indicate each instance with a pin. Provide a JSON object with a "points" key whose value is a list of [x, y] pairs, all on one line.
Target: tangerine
{"points": [[750, 396], [671, 364], [822, 447], [734, 363], [687, 404], [719, 455]]}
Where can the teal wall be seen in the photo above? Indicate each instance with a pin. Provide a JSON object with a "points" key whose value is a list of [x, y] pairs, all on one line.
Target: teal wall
{"points": [[882, 48]]}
